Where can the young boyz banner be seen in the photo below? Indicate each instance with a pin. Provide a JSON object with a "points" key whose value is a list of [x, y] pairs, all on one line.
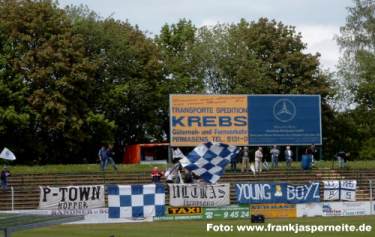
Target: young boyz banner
{"points": [[277, 193]]}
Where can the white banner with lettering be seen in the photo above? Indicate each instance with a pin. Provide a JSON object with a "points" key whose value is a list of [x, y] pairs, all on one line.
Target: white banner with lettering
{"points": [[333, 209], [340, 190], [71, 197], [199, 195]]}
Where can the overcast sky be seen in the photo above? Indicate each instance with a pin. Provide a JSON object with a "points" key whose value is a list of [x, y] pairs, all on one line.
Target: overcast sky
{"points": [[317, 20]]}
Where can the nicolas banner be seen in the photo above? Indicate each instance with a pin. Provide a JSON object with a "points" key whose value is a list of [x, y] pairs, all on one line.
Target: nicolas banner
{"points": [[198, 195], [277, 193], [71, 197]]}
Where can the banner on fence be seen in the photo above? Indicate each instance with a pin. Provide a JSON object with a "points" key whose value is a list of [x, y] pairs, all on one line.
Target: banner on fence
{"points": [[136, 201], [277, 193], [274, 210], [340, 190], [178, 218], [230, 212], [184, 210], [346, 208], [208, 213], [309, 209], [201, 195], [71, 197]]}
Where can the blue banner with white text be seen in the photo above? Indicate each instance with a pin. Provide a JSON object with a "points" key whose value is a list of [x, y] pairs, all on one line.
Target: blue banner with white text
{"points": [[251, 193]]}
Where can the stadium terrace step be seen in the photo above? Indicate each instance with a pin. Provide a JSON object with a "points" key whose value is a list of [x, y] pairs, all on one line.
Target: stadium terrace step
{"points": [[26, 187]]}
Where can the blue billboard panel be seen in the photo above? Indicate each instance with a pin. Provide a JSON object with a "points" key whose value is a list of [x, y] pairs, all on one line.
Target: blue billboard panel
{"points": [[253, 193], [284, 119]]}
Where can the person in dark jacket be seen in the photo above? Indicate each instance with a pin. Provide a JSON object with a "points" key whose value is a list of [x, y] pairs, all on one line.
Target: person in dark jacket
{"points": [[102, 154], [110, 157], [233, 164], [188, 178], [342, 158], [4, 178]]}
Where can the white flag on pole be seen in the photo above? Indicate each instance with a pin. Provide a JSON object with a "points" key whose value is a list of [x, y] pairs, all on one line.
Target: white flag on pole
{"points": [[177, 153], [7, 154]]}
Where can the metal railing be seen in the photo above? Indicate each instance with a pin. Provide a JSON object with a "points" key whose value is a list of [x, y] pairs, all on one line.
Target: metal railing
{"points": [[371, 195]]}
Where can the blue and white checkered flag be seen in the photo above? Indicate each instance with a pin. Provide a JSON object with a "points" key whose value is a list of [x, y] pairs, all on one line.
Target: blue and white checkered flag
{"points": [[136, 201], [208, 160]]}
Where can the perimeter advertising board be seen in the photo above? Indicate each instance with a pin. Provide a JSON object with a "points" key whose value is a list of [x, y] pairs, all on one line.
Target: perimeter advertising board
{"points": [[209, 213], [245, 119], [274, 210], [229, 212]]}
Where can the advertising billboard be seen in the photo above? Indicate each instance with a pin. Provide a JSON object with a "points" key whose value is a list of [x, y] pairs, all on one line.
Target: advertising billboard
{"points": [[274, 210], [284, 119], [196, 119], [244, 120]]}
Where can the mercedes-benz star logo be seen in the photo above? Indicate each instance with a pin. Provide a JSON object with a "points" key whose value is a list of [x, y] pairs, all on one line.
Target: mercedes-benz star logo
{"points": [[284, 110]]}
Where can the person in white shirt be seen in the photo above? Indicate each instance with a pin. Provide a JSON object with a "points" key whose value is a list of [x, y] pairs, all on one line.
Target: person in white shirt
{"points": [[288, 157], [258, 160]]}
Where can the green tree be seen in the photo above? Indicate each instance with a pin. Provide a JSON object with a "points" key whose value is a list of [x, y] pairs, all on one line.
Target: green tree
{"points": [[260, 57], [181, 62], [357, 70], [45, 65], [264, 57], [128, 77], [228, 67], [180, 57]]}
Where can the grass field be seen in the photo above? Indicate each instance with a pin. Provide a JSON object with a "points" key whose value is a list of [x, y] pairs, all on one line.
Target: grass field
{"points": [[194, 228], [91, 168]]}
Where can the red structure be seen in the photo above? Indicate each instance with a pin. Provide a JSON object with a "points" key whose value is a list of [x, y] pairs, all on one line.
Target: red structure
{"points": [[151, 152]]}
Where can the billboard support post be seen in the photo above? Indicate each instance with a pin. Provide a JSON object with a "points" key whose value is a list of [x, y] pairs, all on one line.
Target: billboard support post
{"points": [[371, 197]]}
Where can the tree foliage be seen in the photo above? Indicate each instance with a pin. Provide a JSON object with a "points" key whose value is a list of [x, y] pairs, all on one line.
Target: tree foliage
{"points": [[357, 70], [44, 58], [128, 78], [71, 80], [260, 57], [263, 57]]}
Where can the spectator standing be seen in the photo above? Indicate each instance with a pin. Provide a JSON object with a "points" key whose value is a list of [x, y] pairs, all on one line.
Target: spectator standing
{"points": [[172, 173], [311, 150], [233, 164], [156, 174], [245, 160], [288, 157], [275, 156], [188, 177], [110, 156], [342, 158], [103, 157], [258, 160], [4, 178]]}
